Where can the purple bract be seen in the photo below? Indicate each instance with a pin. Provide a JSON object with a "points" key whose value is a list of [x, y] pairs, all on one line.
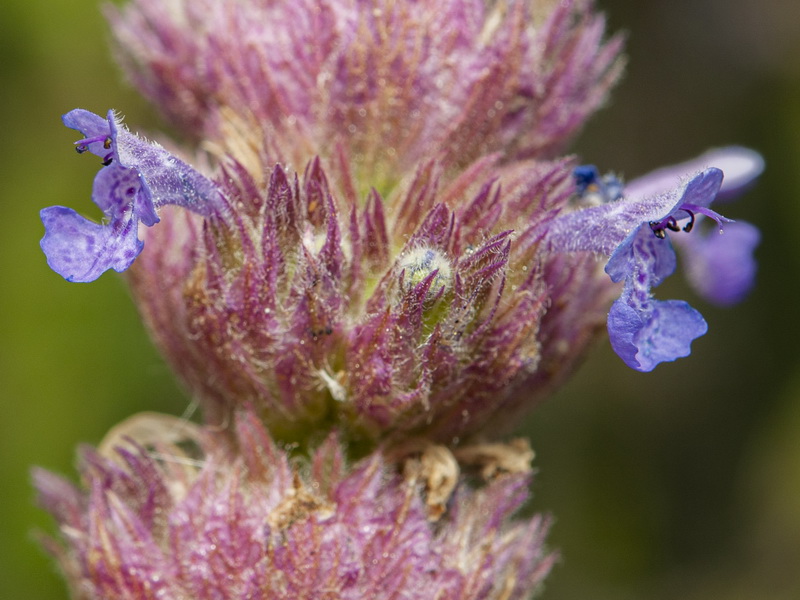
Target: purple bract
{"points": [[187, 512]]}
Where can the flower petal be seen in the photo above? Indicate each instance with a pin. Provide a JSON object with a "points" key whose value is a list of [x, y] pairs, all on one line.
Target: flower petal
{"points": [[702, 189], [627, 259], [117, 188], [740, 165], [80, 250], [721, 266], [91, 126], [661, 334], [603, 228], [645, 332]]}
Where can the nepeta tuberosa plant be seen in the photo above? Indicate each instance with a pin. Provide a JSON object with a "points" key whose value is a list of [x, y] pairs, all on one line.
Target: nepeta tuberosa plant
{"points": [[385, 258]]}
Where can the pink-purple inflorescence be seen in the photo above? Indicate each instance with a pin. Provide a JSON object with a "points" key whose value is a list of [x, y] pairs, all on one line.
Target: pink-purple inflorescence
{"points": [[315, 314], [375, 88], [388, 260], [213, 516]]}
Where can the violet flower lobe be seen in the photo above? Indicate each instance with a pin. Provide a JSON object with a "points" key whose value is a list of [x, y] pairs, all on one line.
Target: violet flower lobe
{"points": [[631, 230], [137, 177]]}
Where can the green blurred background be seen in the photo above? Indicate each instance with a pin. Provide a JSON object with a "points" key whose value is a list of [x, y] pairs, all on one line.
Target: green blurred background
{"points": [[683, 483]]}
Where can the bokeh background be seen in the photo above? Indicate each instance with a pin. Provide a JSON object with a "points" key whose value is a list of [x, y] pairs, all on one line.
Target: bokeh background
{"points": [[679, 484]]}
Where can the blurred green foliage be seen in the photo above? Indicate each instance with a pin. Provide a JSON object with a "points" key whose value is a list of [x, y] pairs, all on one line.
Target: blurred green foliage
{"points": [[682, 483]]}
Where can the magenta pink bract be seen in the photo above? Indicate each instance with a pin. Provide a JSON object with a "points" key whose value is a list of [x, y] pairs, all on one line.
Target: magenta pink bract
{"points": [[376, 86], [239, 522]]}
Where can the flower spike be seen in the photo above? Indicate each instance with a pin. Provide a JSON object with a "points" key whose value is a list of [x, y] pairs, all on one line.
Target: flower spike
{"points": [[393, 262], [137, 177]]}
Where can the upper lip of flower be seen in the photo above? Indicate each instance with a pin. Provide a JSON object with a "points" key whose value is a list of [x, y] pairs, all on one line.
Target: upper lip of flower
{"points": [[665, 210]]}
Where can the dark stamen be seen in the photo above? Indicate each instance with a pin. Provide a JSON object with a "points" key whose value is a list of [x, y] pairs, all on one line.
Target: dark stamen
{"points": [[658, 230], [108, 161], [81, 149], [688, 227], [84, 143], [672, 224]]}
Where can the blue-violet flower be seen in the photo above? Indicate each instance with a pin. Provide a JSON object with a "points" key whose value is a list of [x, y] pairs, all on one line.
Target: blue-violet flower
{"points": [[630, 227], [137, 177]]}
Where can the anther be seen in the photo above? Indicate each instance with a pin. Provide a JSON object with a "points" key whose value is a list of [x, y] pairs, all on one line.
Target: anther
{"points": [[688, 227], [672, 224], [658, 229]]}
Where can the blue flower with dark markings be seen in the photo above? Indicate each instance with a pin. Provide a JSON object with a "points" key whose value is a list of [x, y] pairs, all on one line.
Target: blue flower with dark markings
{"points": [[137, 177], [632, 231]]}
